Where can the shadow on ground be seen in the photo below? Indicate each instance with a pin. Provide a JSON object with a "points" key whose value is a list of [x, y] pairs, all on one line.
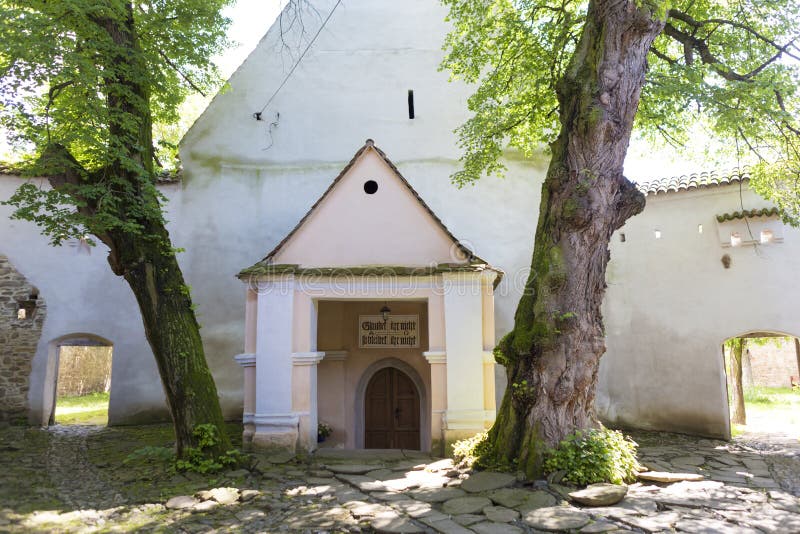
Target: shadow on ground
{"points": [[94, 479]]}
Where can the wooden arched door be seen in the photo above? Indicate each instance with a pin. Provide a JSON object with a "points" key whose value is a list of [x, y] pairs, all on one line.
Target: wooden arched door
{"points": [[391, 411]]}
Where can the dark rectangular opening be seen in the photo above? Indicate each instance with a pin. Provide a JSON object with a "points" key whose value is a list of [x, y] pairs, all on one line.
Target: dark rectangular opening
{"points": [[410, 104]]}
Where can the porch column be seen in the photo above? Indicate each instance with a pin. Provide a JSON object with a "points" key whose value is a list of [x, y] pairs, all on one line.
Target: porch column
{"points": [[437, 358], [304, 373], [487, 301], [438, 361], [275, 423], [248, 361], [463, 308], [304, 396]]}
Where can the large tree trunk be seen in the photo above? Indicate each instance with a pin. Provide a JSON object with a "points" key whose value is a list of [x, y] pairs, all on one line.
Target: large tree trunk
{"points": [[553, 352], [140, 249], [738, 415], [174, 336], [148, 263]]}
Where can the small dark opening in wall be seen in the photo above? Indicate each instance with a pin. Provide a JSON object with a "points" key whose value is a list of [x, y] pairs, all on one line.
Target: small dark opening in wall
{"points": [[410, 104], [622, 237], [370, 187]]}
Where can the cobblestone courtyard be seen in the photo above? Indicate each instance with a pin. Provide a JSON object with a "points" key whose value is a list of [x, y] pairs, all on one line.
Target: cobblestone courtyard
{"points": [[82, 479]]}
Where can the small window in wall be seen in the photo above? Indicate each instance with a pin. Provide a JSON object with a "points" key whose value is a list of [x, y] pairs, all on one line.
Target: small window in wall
{"points": [[410, 104], [736, 239], [370, 187], [699, 228], [767, 236], [27, 307]]}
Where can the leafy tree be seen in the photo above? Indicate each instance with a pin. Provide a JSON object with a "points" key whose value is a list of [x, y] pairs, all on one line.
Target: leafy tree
{"points": [[577, 77], [82, 82]]}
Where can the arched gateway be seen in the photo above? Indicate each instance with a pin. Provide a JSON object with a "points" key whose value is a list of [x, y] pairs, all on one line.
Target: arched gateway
{"points": [[369, 273]]}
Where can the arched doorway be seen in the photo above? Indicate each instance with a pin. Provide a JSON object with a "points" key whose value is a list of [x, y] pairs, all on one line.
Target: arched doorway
{"points": [[81, 380], [391, 411], [763, 378]]}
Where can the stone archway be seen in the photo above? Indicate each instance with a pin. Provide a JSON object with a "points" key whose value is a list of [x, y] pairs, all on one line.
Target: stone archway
{"points": [[361, 390], [55, 347], [762, 372], [22, 315]]}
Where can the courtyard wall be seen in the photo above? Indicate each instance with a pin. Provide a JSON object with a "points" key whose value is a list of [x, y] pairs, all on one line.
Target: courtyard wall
{"points": [[19, 336]]}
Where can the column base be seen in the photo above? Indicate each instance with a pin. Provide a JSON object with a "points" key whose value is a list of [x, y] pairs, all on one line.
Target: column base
{"points": [[248, 431], [275, 432]]}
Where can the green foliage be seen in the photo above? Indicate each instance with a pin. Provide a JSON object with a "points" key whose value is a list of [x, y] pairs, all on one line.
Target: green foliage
{"points": [[67, 78], [522, 391], [151, 455], [478, 451], [597, 455], [731, 67], [200, 459], [469, 450], [324, 430]]}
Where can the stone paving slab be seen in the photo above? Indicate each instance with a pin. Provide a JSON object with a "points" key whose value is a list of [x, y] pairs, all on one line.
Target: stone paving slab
{"points": [[399, 494]]}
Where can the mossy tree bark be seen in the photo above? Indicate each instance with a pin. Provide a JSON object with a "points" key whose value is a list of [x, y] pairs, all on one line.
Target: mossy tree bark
{"points": [[553, 352], [738, 414], [140, 247]]}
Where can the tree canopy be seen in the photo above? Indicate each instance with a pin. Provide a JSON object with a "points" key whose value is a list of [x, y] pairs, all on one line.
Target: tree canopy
{"points": [[734, 65], [61, 74]]}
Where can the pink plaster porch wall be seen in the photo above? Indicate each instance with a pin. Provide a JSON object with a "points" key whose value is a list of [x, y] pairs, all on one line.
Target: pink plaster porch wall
{"points": [[353, 228], [338, 381]]}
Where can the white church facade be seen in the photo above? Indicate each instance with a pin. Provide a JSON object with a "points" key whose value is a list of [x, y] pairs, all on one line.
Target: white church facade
{"points": [[303, 336], [373, 317]]}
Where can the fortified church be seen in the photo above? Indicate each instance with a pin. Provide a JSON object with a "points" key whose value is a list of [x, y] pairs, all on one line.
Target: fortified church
{"points": [[341, 278]]}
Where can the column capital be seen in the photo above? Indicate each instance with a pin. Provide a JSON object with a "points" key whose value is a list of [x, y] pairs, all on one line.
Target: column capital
{"points": [[336, 355], [307, 358], [435, 356], [488, 357], [246, 359]]}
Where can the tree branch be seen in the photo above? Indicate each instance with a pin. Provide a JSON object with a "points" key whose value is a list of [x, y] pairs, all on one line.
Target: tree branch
{"points": [[697, 24], [710, 59], [180, 73]]}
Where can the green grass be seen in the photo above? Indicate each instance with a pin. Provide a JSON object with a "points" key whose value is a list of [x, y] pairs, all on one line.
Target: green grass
{"points": [[778, 397], [771, 409], [91, 409]]}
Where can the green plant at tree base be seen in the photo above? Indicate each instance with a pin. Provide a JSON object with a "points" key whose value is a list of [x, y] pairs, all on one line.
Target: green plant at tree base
{"points": [[596, 455], [477, 452], [201, 459], [150, 455]]}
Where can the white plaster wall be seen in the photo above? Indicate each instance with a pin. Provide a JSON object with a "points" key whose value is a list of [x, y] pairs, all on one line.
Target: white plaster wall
{"points": [[671, 304], [83, 296], [245, 189]]}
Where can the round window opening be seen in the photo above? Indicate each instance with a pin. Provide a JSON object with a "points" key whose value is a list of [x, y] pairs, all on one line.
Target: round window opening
{"points": [[370, 187]]}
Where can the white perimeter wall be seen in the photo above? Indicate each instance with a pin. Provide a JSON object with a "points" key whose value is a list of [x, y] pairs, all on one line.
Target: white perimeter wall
{"points": [[670, 303]]}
